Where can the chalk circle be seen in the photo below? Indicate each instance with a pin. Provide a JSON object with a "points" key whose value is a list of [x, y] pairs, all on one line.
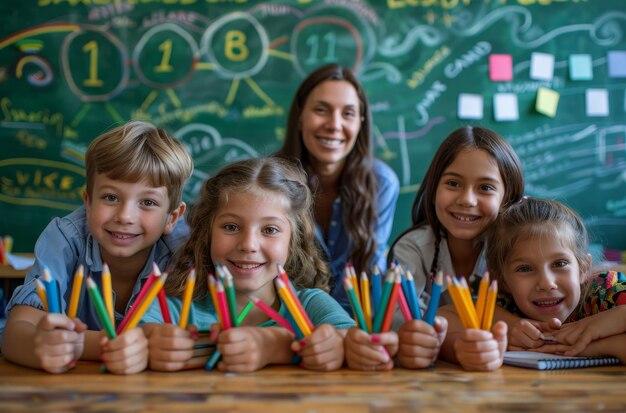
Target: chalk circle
{"points": [[115, 55], [256, 43], [148, 54]]}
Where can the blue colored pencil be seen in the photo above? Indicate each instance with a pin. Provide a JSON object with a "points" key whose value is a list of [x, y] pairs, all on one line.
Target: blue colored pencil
{"points": [[433, 305], [52, 294]]}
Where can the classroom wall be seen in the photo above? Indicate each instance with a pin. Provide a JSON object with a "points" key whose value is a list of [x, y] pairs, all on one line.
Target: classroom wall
{"points": [[220, 76]]}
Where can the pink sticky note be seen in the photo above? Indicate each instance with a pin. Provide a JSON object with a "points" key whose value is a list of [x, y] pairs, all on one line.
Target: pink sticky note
{"points": [[500, 67]]}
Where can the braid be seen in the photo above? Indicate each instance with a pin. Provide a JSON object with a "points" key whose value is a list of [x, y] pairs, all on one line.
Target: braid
{"points": [[434, 266]]}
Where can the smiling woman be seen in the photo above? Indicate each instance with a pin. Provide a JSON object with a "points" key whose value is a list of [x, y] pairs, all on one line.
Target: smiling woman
{"points": [[328, 131]]}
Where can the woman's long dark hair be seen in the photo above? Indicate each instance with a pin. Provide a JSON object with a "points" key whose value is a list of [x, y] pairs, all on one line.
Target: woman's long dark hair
{"points": [[358, 183]]}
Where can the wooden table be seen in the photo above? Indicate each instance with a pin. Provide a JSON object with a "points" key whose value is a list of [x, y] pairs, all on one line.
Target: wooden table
{"points": [[294, 390]]}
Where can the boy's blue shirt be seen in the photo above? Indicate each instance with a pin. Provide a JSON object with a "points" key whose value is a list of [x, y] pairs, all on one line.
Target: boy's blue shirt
{"points": [[64, 244], [319, 306]]}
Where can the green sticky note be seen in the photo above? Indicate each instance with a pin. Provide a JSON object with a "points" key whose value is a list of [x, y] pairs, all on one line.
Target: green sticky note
{"points": [[547, 101], [580, 67]]}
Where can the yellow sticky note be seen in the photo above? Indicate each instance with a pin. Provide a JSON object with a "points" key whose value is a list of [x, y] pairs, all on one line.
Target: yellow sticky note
{"points": [[547, 101]]}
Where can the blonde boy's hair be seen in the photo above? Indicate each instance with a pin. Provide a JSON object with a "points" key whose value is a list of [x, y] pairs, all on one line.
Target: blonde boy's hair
{"points": [[139, 151]]}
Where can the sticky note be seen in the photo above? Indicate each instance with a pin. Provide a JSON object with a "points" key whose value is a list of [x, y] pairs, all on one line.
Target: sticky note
{"points": [[500, 67], [470, 106], [616, 60], [580, 67], [597, 102], [541, 66], [547, 101], [505, 107]]}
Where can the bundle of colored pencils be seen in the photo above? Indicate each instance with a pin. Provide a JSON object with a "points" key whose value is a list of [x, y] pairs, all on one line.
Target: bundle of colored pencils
{"points": [[149, 291], [479, 316], [222, 290], [6, 246], [374, 306]]}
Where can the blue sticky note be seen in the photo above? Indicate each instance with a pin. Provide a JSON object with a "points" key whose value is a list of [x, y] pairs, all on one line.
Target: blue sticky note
{"points": [[580, 67], [616, 60]]}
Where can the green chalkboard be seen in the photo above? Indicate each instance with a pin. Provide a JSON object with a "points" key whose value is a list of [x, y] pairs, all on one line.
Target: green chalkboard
{"points": [[220, 75]]}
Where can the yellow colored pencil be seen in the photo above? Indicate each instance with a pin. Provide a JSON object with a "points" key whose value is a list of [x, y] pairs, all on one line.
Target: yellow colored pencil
{"points": [[355, 282], [466, 296], [490, 306], [366, 302], [189, 285], [482, 297], [76, 288], [291, 306], [107, 292], [457, 301], [145, 303], [41, 292]]}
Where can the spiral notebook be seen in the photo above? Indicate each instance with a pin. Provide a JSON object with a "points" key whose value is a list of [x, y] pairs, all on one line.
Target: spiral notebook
{"points": [[543, 361]]}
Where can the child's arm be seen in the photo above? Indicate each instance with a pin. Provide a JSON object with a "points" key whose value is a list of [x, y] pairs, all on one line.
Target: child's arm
{"points": [[323, 350], [36, 339], [579, 335], [473, 349], [420, 342], [370, 352], [247, 349], [525, 334]]}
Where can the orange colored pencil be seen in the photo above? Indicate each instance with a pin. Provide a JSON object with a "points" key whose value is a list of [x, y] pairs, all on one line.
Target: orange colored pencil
{"points": [[490, 306], [291, 306], [283, 275], [482, 297], [76, 288], [457, 301], [41, 292], [466, 297], [186, 305]]}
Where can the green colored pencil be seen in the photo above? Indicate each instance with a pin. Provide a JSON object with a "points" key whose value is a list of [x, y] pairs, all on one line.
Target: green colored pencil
{"points": [[101, 310], [356, 307]]}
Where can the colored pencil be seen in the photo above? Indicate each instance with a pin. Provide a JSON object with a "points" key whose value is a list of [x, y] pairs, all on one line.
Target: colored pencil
{"points": [[456, 300], [466, 296], [229, 289], [76, 288], [107, 292], [210, 364], [273, 314], [41, 292], [165, 311], [213, 290], [223, 305], [52, 294], [376, 290], [351, 273], [283, 275], [404, 306], [101, 311], [142, 293], [433, 304], [354, 302], [391, 306], [366, 300], [145, 303], [412, 296], [490, 306], [186, 305], [291, 306], [384, 299], [482, 297]]}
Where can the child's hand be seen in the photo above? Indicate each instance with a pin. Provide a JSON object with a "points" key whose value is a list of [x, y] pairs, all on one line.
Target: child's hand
{"points": [[242, 350], [480, 350], [528, 334], [59, 342], [322, 350], [420, 342], [370, 352], [171, 347], [573, 338], [126, 353]]}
